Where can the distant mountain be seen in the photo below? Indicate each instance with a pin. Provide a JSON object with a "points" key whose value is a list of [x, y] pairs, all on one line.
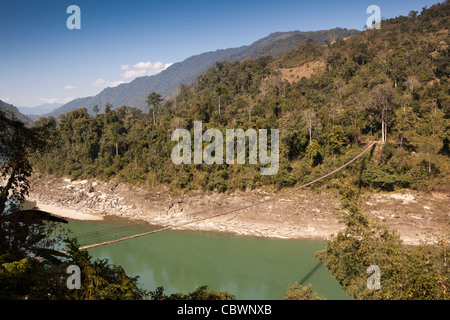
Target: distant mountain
{"points": [[166, 83], [9, 109], [39, 110]]}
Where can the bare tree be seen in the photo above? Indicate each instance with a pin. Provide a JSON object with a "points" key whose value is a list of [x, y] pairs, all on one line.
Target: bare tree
{"points": [[412, 82], [384, 95], [312, 123]]}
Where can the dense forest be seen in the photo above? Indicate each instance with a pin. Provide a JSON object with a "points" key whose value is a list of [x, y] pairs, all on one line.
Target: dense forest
{"points": [[389, 85]]}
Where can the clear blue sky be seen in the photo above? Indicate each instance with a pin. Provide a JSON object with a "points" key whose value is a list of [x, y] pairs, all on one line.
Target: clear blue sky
{"points": [[41, 60]]}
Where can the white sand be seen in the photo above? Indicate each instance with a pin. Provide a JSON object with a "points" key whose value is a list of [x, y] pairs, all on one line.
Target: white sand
{"points": [[66, 213]]}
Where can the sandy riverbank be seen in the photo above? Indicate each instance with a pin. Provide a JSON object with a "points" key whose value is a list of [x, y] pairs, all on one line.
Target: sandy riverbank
{"points": [[65, 212], [304, 214]]}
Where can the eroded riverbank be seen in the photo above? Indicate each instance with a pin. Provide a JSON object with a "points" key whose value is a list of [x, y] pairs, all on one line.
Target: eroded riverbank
{"points": [[301, 215]]}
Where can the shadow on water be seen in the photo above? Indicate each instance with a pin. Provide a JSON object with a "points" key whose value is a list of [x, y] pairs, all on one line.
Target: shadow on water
{"points": [[306, 277]]}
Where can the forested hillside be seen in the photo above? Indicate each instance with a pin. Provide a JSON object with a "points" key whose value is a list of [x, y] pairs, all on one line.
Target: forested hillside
{"points": [[389, 85], [13, 111], [166, 83]]}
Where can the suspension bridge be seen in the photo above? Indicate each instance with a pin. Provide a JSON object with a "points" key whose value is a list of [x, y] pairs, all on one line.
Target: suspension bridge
{"points": [[141, 231]]}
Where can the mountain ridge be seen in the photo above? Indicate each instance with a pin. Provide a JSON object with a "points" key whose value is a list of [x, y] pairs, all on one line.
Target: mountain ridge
{"points": [[167, 82], [9, 109]]}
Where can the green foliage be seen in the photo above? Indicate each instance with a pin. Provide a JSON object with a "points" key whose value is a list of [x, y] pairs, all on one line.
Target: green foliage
{"points": [[298, 292], [313, 154], [200, 293], [100, 279], [14, 279], [379, 178], [37, 279], [217, 181], [336, 139]]}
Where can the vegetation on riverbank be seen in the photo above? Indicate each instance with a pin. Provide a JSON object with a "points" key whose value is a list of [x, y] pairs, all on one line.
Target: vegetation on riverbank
{"points": [[405, 273], [416, 273]]}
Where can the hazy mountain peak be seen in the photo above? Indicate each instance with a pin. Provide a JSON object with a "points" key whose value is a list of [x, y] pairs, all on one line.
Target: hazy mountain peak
{"points": [[39, 110]]}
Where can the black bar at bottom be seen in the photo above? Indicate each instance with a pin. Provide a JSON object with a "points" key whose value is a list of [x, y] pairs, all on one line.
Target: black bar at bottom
{"points": [[247, 309]]}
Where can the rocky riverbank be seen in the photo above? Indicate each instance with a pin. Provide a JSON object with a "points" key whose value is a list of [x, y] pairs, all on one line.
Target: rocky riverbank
{"points": [[304, 214]]}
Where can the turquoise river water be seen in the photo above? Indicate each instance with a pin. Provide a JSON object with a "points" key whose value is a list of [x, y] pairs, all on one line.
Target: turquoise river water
{"points": [[248, 267]]}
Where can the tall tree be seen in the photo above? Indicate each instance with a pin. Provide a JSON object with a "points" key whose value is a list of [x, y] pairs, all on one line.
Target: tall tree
{"points": [[312, 123], [384, 96], [21, 231], [16, 143], [154, 99], [220, 91]]}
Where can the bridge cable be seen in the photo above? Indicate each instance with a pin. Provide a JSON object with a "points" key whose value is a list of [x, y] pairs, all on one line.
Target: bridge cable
{"points": [[231, 210]]}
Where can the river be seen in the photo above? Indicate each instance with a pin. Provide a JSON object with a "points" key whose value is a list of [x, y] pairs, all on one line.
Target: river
{"points": [[248, 267]]}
